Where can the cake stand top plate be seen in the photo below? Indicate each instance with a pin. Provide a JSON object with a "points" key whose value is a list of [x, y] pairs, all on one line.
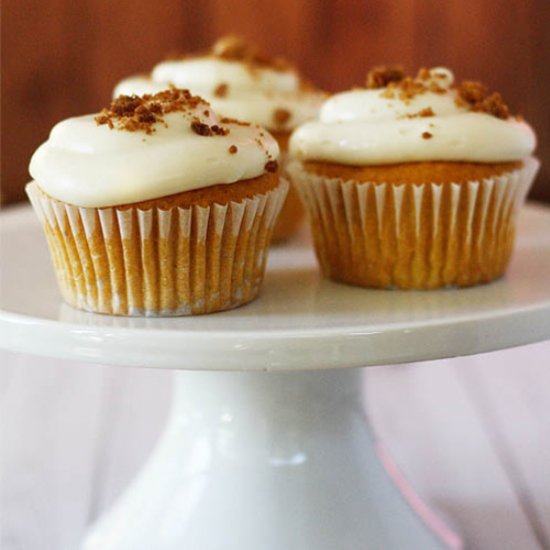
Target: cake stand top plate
{"points": [[300, 321]]}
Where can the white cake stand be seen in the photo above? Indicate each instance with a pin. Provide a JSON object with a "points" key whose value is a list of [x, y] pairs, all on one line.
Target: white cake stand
{"points": [[279, 454]]}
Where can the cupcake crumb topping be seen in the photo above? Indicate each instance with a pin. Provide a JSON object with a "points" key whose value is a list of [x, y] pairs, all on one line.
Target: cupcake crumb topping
{"points": [[234, 48], [394, 84], [141, 113], [203, 129], [380, 77], [476, 96], [233, 149], [271, 166], [227, 120], [427, 135], [281, 116], [221, 90], [423, 113]]}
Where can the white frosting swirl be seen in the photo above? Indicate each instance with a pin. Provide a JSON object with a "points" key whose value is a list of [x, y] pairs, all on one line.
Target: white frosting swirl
{"points": [[253, 94], [91, 165], [369, 127]]}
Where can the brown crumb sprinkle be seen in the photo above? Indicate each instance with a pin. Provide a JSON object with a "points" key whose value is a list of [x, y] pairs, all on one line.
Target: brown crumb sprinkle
{"points": [[281, 116], [427, 135], [141, 113], [203, 129], [475, 96], [235, 48], [200, 128], [424, 74], [470, 94], [423, 113], [233, 149], [494, 105], [408, 87], [271, 166], [221, 90], [380, 77], [227, 120]]}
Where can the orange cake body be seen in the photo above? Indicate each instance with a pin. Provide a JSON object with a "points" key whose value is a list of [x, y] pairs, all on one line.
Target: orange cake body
{"points": [[404, 200], [200, 250], [413, 172]]}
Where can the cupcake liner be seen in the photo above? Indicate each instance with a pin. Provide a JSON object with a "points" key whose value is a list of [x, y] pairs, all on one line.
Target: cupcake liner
{"points": [[179, 261], [292, 212], [425, 235]]}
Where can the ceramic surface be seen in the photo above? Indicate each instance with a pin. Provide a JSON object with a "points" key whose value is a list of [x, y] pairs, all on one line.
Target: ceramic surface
{"points": [[255, 460], [264, 461], [300, 320]]}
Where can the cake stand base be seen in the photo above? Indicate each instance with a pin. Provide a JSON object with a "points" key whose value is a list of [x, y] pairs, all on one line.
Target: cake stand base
{"points": [[268, 461]]}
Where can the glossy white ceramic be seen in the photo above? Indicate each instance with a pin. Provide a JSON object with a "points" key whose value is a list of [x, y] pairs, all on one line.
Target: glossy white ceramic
{"points": [[264, 461], [274, 460], [300, 320]]}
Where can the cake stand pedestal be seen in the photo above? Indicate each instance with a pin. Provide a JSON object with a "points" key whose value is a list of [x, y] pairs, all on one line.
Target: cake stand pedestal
{"points": [[267, 446]]}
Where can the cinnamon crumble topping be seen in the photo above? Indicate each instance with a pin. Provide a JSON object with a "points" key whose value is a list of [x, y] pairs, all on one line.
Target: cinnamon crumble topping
{"points": [[281, 116], [407, 87], [494, 105], [424, 74], [426, 135], [200, 128], [235, 48], [203, 129], [141, 113], [472, 95], [271, 166], [221, 90], [472, 92], [380, 77], [227, 120], [423, 113], [233, 149]]}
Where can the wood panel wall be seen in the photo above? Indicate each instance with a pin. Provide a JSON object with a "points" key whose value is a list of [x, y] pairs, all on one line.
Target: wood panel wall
{"points": [[62, 57]]}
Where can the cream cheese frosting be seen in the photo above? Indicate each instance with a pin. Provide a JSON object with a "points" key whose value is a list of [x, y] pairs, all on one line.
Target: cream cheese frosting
{"points": [[274, 97], [378, 126], [90, 161]]}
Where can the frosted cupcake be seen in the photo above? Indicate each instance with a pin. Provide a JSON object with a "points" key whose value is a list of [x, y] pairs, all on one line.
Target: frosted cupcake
{"points": [[242, 83], [157, 207], [414, 182]]}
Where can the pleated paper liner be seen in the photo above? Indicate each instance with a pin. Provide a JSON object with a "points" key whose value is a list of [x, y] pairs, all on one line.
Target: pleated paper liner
{"points": [[291, 218], [413, 235], [181, 261], [292, 214]]}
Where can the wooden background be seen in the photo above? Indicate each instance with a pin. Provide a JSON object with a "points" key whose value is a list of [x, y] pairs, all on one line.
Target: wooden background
{"points": [[62, 58]]}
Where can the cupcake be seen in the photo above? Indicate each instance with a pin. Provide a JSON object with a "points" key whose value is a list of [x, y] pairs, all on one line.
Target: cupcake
{"points": [[156, 207], [413, 182], [241, 83]]}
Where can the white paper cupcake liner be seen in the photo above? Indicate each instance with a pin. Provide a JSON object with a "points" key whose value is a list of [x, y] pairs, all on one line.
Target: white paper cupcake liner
{"points": [[180, 261], [413, 235], [292, 213]]}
